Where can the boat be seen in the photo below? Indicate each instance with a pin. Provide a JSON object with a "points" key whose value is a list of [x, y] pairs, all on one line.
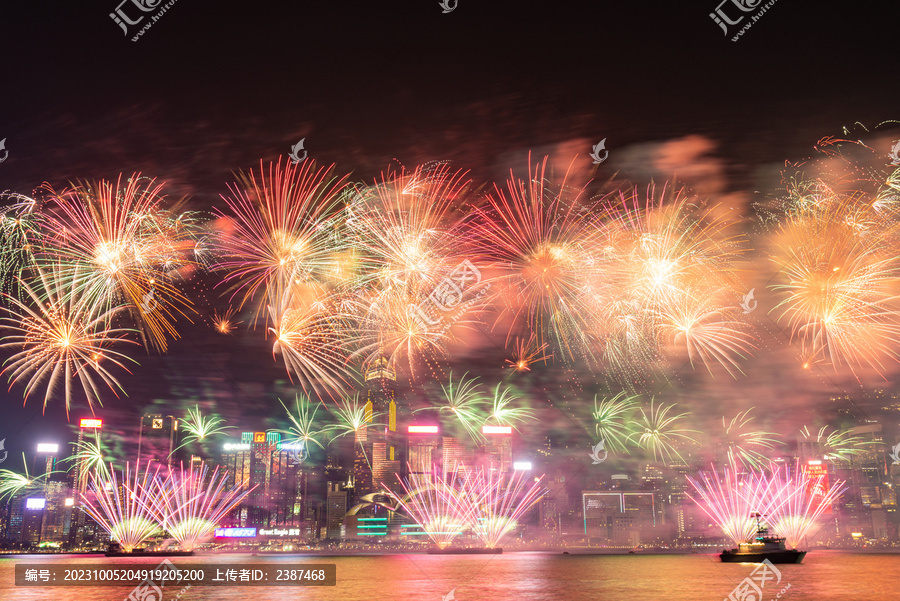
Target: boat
{"points": [[115, 550], [762, 547], [465, 551]]}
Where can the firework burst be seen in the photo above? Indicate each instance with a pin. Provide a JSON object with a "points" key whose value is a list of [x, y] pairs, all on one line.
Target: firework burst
{"points": [[19, 233], [199, 427], [115, 244], [13, 483], [836, 444], [502, 413], [526, 353], [839, 272], [658, 432], [744, 444], [58, 339], [91, 456], [310, 335], [463, 401], [279, 233], [806, 500], [668, 271], [540, 238], [410, 283], [225, 323], [612, 420], [303, 430], [732, 498]]}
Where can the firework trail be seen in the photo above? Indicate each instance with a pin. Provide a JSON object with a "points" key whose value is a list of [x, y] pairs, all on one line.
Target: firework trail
{"points": [[121, 505], [806, 500], [432, 500], [60, 338], [495, 503], [734, 497], [189, 504]]}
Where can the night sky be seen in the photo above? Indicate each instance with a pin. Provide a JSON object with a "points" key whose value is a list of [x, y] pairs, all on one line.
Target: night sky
{"points": [[213, 87]]}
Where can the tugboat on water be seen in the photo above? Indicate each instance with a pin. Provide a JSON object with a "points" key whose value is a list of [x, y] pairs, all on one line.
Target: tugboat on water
{"points": [[762, 547], [115, 550]]}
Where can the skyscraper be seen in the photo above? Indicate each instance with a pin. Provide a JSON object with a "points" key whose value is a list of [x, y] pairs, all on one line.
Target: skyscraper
{"points": [[156, 439], [377, 453]]}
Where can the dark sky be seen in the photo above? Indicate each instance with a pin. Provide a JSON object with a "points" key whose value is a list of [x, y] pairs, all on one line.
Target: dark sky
{"points": [[215, 86]]}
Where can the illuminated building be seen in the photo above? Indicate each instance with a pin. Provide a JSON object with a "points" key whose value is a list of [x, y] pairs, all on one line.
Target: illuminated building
{"points": [[84, 527], [619, 518], [336, 509], [262, 461], [156, 439], [33, 517], [377, 456], [49, 451], [57, 517], [498, 448], [457, 454], [424, 448], [262, 448]]}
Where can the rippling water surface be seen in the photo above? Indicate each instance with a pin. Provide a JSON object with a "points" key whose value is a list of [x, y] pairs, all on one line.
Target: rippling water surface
{"points": [[823, 576]]}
